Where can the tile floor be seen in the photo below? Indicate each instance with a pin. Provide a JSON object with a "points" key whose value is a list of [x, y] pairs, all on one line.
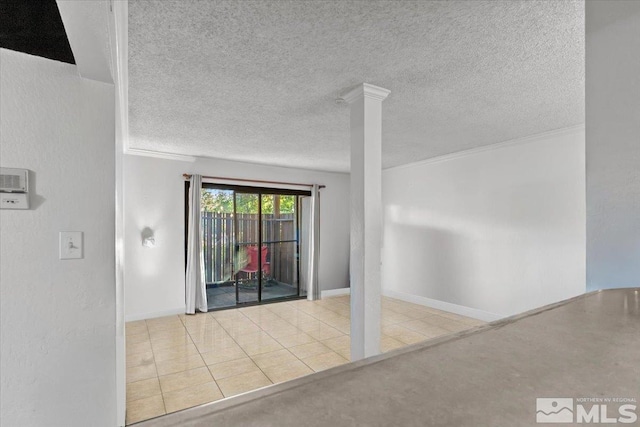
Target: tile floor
{"points": [[178, 362]]}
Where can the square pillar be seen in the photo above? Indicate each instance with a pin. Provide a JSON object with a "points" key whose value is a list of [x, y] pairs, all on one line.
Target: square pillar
{"points": [[366, 217]]}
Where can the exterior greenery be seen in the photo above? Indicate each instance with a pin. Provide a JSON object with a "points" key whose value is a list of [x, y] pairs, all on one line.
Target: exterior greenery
{"points": [[221, 201]]}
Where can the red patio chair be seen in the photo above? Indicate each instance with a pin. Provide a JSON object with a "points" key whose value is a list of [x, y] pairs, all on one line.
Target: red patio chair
{"points": [[252, 265]]}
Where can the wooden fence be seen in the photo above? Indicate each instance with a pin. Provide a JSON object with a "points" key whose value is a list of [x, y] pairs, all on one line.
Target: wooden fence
{"points": [[219, 241]]}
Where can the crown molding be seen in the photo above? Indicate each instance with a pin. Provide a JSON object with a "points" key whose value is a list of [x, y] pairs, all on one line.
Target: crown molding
{"points": [[365, 90], [512, 142], [159, 155]]}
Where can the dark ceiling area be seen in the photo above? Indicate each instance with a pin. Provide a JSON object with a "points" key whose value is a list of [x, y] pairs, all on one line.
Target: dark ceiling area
{"points": [[34, 27]]}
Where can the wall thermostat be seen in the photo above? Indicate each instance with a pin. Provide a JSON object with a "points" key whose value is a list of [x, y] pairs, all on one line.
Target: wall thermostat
{"points": [[14, 188]]}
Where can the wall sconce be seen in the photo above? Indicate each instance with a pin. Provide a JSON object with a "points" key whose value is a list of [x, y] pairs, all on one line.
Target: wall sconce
{"points": [[148, 239]]}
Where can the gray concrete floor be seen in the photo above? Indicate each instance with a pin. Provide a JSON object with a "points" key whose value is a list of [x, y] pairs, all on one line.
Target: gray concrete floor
{"points": [[583, 348]]}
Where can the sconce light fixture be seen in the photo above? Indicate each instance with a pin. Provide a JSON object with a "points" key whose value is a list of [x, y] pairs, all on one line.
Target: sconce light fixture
{"points": [[148, 239]]}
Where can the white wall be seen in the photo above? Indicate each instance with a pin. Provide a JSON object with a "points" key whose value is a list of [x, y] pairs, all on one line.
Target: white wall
{"points": [[154, 197], [613, 143], [57, 344], [499, 230]]}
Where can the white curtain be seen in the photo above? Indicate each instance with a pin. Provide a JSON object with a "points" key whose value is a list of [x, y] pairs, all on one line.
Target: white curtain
{"points": [[196, 287], [313, 291]]}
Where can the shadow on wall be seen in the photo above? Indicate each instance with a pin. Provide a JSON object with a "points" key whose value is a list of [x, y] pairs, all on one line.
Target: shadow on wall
{"points": [[460, 264], [427, 262], [35, 200]]}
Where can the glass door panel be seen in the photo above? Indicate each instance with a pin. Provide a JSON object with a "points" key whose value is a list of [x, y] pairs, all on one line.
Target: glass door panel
{"points": [[279, 246], [218, 232], [247, 259]]}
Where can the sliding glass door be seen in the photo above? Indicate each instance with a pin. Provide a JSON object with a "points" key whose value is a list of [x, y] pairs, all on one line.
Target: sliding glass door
{"points": [[251, 239], [280, 242], [248, 269]]}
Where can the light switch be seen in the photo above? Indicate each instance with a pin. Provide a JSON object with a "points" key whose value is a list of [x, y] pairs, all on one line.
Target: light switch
{"points": [[71, 245]]}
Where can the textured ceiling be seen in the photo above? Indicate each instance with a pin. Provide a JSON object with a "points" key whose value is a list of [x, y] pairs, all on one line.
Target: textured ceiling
{"points": [[256, 80]]}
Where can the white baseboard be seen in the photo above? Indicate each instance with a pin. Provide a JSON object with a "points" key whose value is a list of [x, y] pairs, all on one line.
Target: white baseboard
{"points": [[335, 292], [144, 316], [444, 306]]}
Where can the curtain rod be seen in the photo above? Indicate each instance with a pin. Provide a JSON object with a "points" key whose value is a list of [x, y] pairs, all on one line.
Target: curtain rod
{"points": [[187, 176]]}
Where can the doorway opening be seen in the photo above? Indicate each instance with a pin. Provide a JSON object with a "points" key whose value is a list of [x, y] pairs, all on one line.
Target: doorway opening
{"points": [[251, 244]]}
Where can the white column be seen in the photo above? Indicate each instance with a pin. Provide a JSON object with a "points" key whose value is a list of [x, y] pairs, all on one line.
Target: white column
{"points": [[366, 217]]}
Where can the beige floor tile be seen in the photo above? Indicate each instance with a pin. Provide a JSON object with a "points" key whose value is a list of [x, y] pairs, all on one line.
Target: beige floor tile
{"points": [[243, 327], [281, 330], [260, 316], [183, 363], [232, 368], [170, 342], [135, 328], [436, 320], [309, 325], [474, 322], [256, 348], [258, 343], [137, 359], [296, 339], [403, 334], [287, 371], [258, 337], [454, 326], [243, 383], [274, 336], [164, 323], [345, 329], [344, 352], [339, 323], [143, 389], [142, 372], [143, 409], [138, 338], [223, 355], [269, 321], [324, 361], [392, 318], [254, 309], [300, 319], [388, 343], [174, 352], [213, 342], [138, 347], [324, 332], [308, 350], [164, 334], [194, 395], [180, 380], [197, 319], [426, 329], [277, 357], [206, 329], [282, 310], [415, 313], [341, 342], [227, 314]]}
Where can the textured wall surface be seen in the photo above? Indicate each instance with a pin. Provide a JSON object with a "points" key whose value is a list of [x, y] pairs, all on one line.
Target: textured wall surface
{"points": [[154, 198], [613, 144], [58, 317], [256, 80], [501, 231]]}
